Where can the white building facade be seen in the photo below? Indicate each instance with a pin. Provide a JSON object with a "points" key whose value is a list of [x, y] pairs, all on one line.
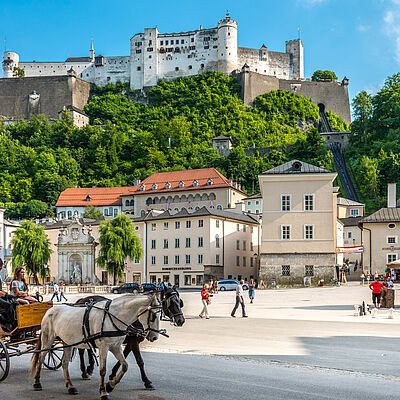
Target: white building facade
{"points": [[155, 56]]}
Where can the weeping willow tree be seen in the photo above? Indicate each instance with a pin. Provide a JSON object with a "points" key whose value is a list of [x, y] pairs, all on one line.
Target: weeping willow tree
{"points": [[31, 250], [118, 241]]}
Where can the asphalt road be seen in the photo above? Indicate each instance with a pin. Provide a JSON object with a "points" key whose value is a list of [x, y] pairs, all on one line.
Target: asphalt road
{"points": [[184, 377]]}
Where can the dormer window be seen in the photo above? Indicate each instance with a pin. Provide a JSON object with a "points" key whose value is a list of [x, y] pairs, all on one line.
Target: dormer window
{"points": [[209, 182], [88, 198], [154, 186], [195, 183], [181, 184], [167, 185], [141, 188]]}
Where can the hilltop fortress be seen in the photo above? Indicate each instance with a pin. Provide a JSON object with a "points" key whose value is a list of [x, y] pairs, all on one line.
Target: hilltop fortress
{"points": [[155, 56]]}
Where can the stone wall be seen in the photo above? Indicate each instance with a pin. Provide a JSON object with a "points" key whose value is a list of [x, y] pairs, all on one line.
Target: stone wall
{"points": [[20, 97], [271, 268], [333, 95]]}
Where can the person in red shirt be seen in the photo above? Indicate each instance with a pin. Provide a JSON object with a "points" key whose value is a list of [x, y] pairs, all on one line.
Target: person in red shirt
{"points": [[376, 288], [205, 299]]}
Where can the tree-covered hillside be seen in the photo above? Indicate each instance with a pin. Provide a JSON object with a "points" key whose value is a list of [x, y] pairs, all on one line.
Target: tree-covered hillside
{"points": [[130, 140]]}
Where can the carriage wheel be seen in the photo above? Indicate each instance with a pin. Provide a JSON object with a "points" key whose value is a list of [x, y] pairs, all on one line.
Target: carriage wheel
{"points": [[53, 359], [4, 361]]}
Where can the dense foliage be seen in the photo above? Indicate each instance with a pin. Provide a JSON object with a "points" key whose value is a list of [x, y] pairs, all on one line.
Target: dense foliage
{"points": [[374, 154], [130, 140], [118, 242], [326, 75], [31, 250]]}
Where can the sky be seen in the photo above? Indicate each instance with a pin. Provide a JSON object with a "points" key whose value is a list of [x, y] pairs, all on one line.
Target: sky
{"points": [[359, 39]]}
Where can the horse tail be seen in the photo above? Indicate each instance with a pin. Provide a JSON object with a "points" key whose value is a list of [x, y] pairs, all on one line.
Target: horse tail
{"points": [[35, 356]]}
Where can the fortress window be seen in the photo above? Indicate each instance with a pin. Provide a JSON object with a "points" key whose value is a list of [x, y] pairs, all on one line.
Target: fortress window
{"points": [[206, 39], [166, 42], [176, 68], [108, 78], [172, 42], [206, 47], [149, 49], [214, 47], [182, 41], [138, 51], [192, 48], [202, 66], [150, 56], [190, 67], [150, 42], [138, 68], [192, 40], [229, 34], [161, 42]]}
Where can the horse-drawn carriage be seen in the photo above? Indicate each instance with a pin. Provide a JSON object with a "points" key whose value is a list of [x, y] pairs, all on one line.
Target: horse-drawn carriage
{"points": [[24, 338]]}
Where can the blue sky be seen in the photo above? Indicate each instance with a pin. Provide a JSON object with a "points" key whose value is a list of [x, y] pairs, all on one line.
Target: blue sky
{"points": [[356, 38]]}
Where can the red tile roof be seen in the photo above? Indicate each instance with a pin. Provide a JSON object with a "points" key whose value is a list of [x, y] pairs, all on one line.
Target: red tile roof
{"points": [[187, 177], [100, 196]]}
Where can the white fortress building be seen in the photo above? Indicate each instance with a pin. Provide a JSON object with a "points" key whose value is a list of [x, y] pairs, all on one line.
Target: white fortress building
{"points": [[155, 56]]}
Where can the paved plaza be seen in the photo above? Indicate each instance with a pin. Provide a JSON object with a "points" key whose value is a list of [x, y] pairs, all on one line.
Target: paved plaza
{"points": [[296, 344]]}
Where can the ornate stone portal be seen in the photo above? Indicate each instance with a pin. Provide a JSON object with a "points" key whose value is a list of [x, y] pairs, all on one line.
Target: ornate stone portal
{"points": [[76, 254]]}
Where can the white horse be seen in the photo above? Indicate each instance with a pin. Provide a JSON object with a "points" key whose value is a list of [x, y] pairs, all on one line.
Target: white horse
{"points": [[66, 323]]}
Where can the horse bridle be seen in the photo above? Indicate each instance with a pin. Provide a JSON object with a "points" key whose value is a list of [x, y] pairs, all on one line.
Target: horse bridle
{"points": [[166, 313]]}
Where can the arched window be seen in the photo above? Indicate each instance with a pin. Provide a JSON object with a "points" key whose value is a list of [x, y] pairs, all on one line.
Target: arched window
{"points": [[132, 203], [69, 214], [176, 209], [181, 184], [176, 199], [149, 201], [142, 213], [212, 196], [142, 187], [209, 182], [204, 197], [197, 208], [195, 183], [154, 186], [127, 203], [219, 207], [167, 185]]}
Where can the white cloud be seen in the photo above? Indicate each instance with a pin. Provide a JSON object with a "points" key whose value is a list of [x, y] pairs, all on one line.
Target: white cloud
{"points": [[391, 26]]}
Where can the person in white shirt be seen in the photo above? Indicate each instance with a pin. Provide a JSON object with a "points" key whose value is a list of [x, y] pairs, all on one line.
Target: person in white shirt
{"points": [[55, 294], [62, 291], [239, 300]]}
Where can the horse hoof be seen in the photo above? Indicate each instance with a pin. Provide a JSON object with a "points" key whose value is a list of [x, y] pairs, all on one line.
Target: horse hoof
{"points": [[109, 389], [73, 391], [37, 387], [85, 377], [149, 386]]}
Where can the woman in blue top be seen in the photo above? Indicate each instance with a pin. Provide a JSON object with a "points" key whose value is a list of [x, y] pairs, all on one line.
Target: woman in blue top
{"points": [[252, 290], [19, 288]]}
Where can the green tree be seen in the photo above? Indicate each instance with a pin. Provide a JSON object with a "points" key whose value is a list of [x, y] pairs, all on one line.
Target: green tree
{"points": [[326, 75], [92, 212], [31, 250], [118, 241], [18, 72], [34, 209]]}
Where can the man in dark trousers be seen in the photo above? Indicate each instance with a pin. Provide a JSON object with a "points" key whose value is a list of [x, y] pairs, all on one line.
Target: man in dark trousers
{"points": [[239, 300], [376, 288]]}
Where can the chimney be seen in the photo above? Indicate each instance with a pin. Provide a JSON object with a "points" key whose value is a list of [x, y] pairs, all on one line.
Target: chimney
{"points": [[239, 208], [391, 195]]}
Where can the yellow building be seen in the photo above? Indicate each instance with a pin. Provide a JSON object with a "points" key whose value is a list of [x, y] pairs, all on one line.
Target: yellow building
{"points": [[299, 223]]}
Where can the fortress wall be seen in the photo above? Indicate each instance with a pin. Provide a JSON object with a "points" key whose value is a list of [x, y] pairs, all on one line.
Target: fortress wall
{"points": [[254, 85], [279, 65], [333, 95], [54, 92], [114, 69]]}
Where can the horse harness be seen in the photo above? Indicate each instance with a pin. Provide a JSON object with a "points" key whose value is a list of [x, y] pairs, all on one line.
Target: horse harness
{"points": [[130, 330], [166, 316]]}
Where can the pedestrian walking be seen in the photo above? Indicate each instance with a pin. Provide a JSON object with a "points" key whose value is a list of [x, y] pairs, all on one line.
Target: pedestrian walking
{"points": [[239, 300], [216, 286], [55, 293], [376, 288], [252, 290], [368, 278], [362, 279], [62, 291], [205, 299]]}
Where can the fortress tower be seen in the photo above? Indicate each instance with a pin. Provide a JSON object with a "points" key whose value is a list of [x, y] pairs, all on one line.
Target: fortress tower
{"points": [[227, 45], [296, 50], [10, 61]]}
